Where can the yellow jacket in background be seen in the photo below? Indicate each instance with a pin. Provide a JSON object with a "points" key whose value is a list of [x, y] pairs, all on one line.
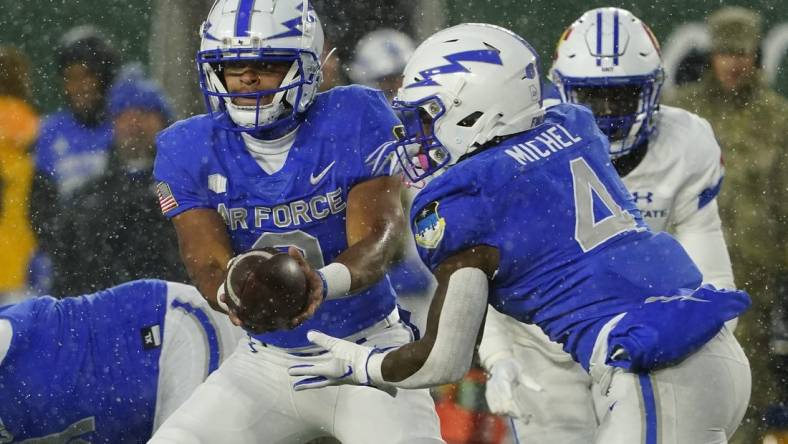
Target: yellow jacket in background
{"points": [[18, 130]]}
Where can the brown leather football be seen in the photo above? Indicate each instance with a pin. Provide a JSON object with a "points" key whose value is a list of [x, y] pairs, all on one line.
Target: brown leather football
{"points": [[270, 287]]}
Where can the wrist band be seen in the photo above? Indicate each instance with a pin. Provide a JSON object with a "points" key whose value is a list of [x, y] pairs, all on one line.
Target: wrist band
{"points": [[374, 366], [336, 280]]}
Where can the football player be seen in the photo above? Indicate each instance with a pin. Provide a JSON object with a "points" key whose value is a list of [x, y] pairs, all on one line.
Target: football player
{"points": [[529, 215], [108, 366], [667, 157], [379, 59], [274, 164]]}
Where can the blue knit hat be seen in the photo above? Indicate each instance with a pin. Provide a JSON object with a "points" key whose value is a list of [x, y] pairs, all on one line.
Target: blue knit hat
{"points": [[133, 90]]}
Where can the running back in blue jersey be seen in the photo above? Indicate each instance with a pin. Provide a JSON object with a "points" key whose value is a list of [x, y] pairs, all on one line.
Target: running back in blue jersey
{"points": [[97, 353], [574, 250], [340, 143]]}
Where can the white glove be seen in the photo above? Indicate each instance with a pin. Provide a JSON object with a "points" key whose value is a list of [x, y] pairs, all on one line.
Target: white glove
{"points": [[345, 363], [505, 376]]}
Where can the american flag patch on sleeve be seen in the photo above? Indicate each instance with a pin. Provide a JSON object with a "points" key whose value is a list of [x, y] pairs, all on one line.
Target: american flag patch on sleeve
{"points": [[166, 200]]}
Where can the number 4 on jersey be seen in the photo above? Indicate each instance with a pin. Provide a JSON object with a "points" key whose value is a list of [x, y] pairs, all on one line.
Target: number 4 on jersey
{"points": [[588, 189]]}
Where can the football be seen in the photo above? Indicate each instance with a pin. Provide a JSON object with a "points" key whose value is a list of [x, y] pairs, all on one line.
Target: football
{"points": [[270, 287]]}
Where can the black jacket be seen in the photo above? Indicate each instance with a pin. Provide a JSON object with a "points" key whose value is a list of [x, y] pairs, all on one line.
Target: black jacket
{"points": [[112, 233]]}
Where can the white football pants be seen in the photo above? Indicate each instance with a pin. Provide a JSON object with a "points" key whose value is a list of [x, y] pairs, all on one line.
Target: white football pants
{"points": [[250, 400], [700, 400], [196, 341]]}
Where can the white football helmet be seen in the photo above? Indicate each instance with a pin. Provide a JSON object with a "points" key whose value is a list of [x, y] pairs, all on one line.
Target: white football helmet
{"points": [[276, 31], [463, 87], [379, 54], [610, 61]]}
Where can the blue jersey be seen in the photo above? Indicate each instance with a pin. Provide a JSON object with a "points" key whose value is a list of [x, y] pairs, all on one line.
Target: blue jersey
{"points": [[84, 367], [339, 144], [70, 152], [574, 250]]}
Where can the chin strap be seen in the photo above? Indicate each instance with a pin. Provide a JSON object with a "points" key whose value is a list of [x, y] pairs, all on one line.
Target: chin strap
{"points": [[326, 59]]}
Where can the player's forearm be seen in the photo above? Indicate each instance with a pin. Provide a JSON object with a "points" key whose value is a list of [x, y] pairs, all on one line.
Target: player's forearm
{"points": [[375, 229], [207, 277], [205, 249], [445, 353], [369, 258]]}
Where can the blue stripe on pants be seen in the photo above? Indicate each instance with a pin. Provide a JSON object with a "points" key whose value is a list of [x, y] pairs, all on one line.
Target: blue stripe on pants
{"points": [[210, 331], [649, 408]]}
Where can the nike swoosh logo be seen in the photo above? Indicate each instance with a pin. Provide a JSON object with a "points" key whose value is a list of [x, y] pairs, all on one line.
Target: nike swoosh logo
{"points": [[347, 373], [314, 180]]}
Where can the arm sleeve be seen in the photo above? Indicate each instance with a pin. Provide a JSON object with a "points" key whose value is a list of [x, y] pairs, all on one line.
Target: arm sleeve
{"points": [[696, 222], [701, 235], [451, 354], [704, 176]]}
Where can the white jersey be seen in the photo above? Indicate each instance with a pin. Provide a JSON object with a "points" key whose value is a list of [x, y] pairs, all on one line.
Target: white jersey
{"points": [[674, 186]]}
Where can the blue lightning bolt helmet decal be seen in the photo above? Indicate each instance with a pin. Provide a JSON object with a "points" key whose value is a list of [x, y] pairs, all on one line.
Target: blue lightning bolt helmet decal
{"points": [[480, 56], [293, 24]]}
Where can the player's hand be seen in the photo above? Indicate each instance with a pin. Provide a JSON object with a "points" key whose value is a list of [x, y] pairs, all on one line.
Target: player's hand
{"points": [[314, 288], [506, 376], [345, 363]]}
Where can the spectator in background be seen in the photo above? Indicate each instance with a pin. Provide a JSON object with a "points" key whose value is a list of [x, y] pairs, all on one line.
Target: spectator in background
{"points": [[113, 230], [73, 144], [18, 129], [750, 122], [380, 58]]}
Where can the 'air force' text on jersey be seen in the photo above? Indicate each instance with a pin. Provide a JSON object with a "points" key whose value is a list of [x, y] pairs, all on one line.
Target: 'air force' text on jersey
{"points": [[340, 143]]}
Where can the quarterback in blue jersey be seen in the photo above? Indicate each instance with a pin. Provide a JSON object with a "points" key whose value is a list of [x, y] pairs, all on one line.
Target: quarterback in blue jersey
{"points": [[105, 367], [274, 164], [529, 216]]}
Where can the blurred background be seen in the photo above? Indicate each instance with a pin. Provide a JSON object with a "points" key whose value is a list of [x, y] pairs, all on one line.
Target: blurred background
{"points": [[163, 34]]}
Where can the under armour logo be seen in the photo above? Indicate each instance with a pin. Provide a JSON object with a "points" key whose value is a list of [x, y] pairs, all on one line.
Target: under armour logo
{"points": [[649, 196]]}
